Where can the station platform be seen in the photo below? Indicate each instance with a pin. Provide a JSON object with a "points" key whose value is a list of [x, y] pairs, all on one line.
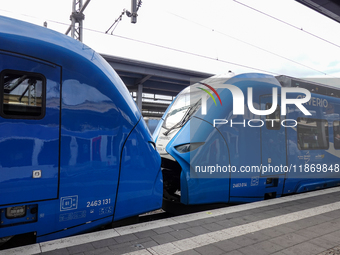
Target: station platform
{"points": [[307, 223]]}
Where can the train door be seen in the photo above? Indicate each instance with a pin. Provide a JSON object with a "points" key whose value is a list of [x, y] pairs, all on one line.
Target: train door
{"points": [[273, 150], [29, 129]]}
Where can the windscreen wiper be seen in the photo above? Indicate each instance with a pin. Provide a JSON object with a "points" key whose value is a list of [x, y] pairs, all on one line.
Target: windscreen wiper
{"points": [[185, 118], [178, 124]]}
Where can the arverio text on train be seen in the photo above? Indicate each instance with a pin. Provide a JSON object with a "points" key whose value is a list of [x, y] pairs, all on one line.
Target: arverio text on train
{"points": [[249, 137], [75, 153]]}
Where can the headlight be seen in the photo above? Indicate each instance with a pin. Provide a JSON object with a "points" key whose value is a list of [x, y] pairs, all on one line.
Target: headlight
{"points": [[16, 212], [187, 147]]}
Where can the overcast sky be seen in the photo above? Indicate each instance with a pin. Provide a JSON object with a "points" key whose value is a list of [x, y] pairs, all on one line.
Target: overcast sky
{"points": [[209, 36]]}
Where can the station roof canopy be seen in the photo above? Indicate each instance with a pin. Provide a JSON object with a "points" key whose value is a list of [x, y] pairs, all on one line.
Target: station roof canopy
{"points": [[329, 8], [156, 80]]}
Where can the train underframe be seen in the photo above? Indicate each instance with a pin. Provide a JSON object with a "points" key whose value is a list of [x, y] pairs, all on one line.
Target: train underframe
{"points": [[171, 180]]}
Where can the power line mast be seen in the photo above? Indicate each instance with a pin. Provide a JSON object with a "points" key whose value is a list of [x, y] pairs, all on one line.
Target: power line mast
{"points": [[133, 11], [77, 18]]}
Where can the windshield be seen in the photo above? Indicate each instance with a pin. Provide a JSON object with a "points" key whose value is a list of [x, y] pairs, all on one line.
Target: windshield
{"points": [[179, 108]]}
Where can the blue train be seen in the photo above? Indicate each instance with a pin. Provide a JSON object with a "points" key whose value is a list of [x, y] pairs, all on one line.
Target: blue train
{"points": [[220, 146], [75, 152]]}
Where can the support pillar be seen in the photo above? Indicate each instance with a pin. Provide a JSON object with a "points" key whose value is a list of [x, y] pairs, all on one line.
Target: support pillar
{"points": [[139, 96]]}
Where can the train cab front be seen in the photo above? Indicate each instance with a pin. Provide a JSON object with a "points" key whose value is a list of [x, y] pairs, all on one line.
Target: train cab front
{"points": [[188, 145]]}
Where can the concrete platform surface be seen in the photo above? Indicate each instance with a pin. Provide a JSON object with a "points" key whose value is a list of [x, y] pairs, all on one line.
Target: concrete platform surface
{"points": [[307, 223]]}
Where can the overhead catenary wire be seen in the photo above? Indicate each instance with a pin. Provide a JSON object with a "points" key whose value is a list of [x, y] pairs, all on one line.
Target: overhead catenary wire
{"points": [[207, 57], [168, 48], [192, 54], [288, 24], [247, 43]]}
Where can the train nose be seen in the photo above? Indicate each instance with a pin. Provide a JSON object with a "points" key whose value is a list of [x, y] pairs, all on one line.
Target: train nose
{"points": [[196, 147]]}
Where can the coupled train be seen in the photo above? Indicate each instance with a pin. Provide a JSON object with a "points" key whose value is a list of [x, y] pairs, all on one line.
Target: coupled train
{"points": [[75, 152], [211, 155]]}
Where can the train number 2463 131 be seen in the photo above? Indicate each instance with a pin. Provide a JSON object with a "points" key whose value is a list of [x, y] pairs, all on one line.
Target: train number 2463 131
{"points": [[98, 202]]}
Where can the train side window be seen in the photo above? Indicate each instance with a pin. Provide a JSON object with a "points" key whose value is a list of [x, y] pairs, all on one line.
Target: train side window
{"points": [[273, 120], [23, 95], [336, 132], [312, 134]]}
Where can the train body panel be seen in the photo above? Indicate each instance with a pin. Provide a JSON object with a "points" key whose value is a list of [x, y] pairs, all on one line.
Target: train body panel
{"points": [[197, 190], [66, 124], [137, 156], [314, 144], [265, 153], [22, 140]]}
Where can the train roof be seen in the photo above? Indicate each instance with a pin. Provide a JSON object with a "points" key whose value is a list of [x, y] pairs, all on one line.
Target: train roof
{"points": [[39, 42], [313, 87]]}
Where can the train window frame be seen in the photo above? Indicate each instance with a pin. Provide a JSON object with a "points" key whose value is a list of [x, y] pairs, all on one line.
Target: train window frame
{"points": [[273, 125], [301, 134], [24, 114], [336, 131]]}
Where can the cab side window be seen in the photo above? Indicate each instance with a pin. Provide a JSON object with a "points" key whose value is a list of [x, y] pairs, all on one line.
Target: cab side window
{"points": [[22, 95]]}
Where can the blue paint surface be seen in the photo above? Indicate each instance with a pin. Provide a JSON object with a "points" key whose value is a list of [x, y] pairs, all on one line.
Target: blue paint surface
{"points": [[86, 146]]}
